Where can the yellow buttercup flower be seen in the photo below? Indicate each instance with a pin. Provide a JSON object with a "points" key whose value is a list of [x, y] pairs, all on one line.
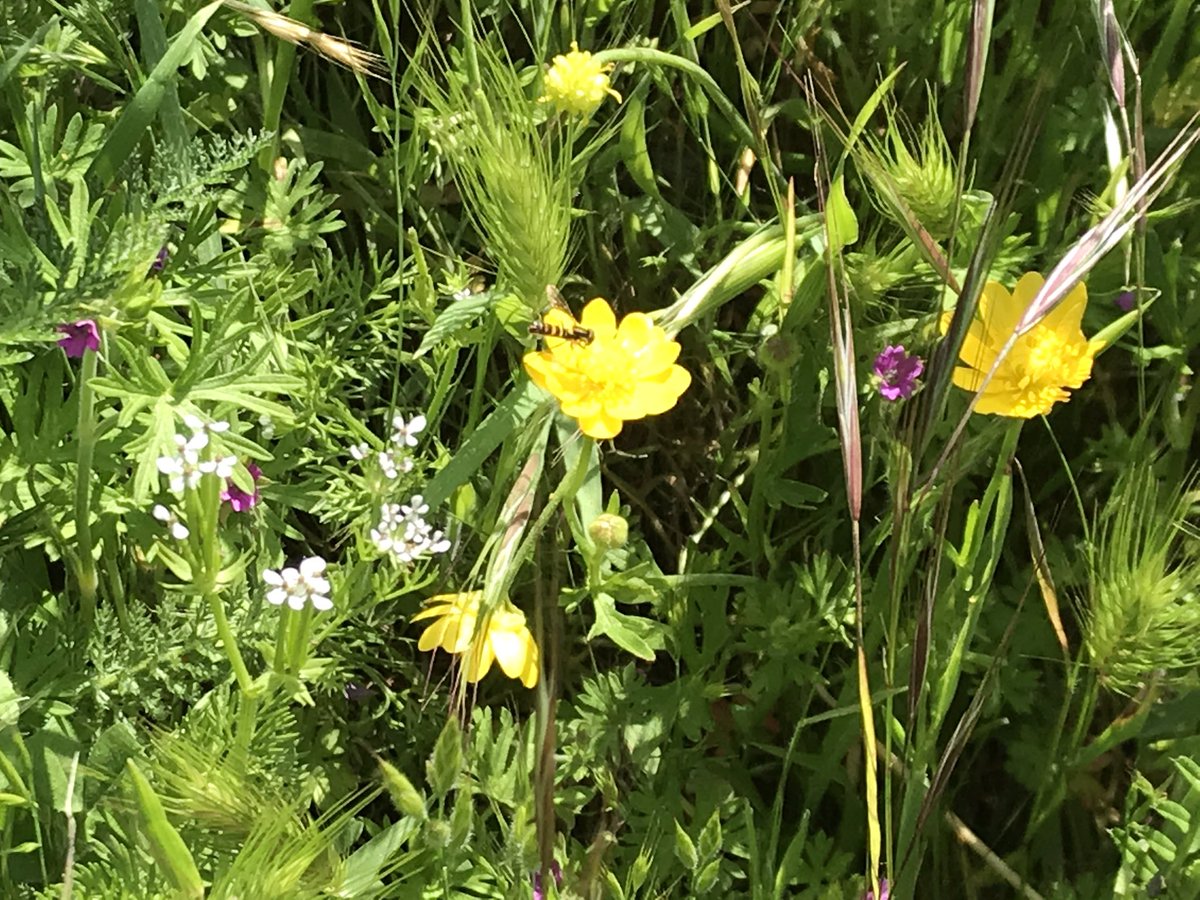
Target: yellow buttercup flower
{"points": [[623, 372], [1041, 365], [577, 84], [503, 637]]}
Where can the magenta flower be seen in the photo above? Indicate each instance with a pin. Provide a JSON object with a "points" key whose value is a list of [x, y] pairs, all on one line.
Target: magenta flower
{"points": [[1125, 301], [896, 373], [556, 871], [80, 337], [160, 259], [239, 500], [884, 893]]}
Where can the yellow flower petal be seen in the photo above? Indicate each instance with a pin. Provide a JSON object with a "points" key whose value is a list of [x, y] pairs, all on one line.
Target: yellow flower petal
{"points": [[529, 675], [601, 426], [661, 394], [539, 366], [586, 407], [1067, 317], [511, 650], [479, 659], [599, 318], [626, 371], [967, 379], [1041, 364], [451, 633], [655, 358], [999, 311], [975, 352]]}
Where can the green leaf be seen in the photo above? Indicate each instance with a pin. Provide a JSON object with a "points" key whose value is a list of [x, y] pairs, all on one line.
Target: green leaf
{"points": [[453, 322], [518, 406], [635, 634], [446, 762], [1189, 769], [362, 871], [709, 843], [707, 878], [166, 845], [634, 153], [10, 701], [843, 225]]}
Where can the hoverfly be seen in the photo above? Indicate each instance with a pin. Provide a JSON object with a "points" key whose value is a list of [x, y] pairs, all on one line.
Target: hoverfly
{"points": [[573, 332]]}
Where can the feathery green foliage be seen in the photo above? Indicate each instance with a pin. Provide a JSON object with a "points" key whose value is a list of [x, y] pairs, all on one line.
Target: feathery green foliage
{"points": [[283, 470]]}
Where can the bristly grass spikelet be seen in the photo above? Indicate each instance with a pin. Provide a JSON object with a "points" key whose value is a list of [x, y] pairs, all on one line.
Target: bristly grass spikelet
{"points": [[922, 170], [1143, 611], [515, 176]]}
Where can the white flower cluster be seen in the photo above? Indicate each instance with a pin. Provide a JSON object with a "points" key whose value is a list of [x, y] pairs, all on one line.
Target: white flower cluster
{"points": [[184, 467], [300, 586], [397, 458], [403, 532]]}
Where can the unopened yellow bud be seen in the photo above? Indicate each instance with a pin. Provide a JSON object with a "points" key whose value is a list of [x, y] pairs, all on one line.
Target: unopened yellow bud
{"points": [[610, 532]]}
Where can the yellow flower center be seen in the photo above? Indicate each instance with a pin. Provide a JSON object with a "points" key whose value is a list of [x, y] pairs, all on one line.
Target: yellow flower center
{"points": [[1041, 357], [1041, 366]]}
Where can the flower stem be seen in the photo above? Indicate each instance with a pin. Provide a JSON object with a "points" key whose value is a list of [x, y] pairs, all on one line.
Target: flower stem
{"points": [[217, 607], [301, 626], [280, 657], [281, 75], [85, 434]]}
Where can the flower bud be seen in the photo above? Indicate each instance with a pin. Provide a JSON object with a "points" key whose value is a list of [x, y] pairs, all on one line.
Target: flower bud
{"points": [[610, 532], [778, 353], [406, 798]]}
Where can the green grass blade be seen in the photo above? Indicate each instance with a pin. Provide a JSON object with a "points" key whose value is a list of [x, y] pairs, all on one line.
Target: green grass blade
{"points": [[141, 110]]}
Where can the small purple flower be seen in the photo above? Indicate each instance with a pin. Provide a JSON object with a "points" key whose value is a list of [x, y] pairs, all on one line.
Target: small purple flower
{"points": [[884, 892], [896, 372], [80, 337], [239, 500], [357, 693], [556, 871], [160, 260], [1125, 301]]}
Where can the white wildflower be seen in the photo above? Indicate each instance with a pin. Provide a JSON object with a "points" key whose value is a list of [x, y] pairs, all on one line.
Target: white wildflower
{"points": [[387, 463], [360, 451], [305, 585], [222, 467], [182, 469], [405, 434], [267, 425], [167, 517]]}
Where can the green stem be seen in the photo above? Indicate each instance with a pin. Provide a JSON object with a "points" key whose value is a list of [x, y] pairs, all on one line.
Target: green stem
{"points": [[217, 606], [650, 56], [467, 24], [247, 721], [85, 434], [565, 491], [280, 657], [302, 625], [1053, 773], [281, 75]]}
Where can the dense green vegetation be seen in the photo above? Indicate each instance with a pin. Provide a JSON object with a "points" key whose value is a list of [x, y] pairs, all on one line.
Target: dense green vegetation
{"points": [[351, 547]]}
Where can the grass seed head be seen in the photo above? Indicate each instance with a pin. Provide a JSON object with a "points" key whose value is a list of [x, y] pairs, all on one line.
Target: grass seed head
{"points": [[922, 167], [1143, 613]]}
